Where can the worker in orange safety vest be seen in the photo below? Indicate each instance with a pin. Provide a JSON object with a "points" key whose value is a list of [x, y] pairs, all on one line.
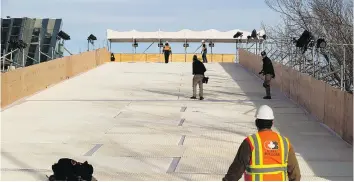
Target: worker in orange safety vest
{"points": [[166, 51], [266, 155]]}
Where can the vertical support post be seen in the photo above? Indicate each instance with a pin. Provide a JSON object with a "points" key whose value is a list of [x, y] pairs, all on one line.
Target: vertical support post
{"points": [[211, 50], [344, 66], [39, 48], [341, 77], [185, 50], [313, 61], [110, 45], [11, 56], [53, 57], [88, 45], [23, 58]]}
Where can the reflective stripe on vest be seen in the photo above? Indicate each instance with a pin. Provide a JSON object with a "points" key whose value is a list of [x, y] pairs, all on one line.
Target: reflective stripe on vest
{"points": [[257, 168]]}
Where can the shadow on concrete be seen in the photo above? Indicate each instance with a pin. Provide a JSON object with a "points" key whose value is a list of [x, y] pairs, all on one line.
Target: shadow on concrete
{"points": [[306, 146], [38, 174]]}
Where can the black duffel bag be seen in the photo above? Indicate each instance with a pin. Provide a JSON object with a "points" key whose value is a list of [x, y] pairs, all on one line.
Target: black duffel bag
{"points": [[70, 170]]}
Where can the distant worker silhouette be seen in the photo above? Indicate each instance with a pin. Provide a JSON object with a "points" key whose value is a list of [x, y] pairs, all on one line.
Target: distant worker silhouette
{"points": [[167, 51], [204, 52], [266, 155], [268, 72], [112, 57]]}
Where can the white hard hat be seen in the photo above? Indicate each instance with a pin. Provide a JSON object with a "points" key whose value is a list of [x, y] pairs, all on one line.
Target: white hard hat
{"points": [[202, 41], [265, 112], [166, 42]]}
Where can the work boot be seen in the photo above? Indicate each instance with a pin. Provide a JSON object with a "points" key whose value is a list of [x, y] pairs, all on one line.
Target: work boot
{"points": [[201, 98], [193, 97], [267, 97]]}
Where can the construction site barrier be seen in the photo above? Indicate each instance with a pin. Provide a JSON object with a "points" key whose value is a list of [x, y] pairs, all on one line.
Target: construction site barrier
{"points": [[124, 57], [24, 82], [329, 105]]}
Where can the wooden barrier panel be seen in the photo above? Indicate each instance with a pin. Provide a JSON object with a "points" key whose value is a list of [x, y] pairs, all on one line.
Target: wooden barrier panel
{"points": [[154, 58], [334, 111], [277, 70], [330, 105], [348, 118], [285, 83], [318, 90], [304, 92], [173, 57], [24, 82]]}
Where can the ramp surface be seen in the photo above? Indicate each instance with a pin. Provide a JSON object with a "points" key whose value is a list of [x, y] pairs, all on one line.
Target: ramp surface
{"points": [[135, 121]]}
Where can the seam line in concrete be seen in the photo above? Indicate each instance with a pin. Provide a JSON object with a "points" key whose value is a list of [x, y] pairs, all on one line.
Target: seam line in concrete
{"points": [[181, 122], [93, 150], [183, 109], [117, 114], [181, 141], [24, 170], [173, 165]]}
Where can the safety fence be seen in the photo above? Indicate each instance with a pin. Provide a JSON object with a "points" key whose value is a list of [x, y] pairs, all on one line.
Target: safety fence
{"points": [[26, 81], [123, 57], [329, 105]]}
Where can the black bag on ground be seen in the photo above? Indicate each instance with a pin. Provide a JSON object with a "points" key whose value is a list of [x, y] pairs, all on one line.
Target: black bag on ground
{"points": [[205, 80], [70, 170]]}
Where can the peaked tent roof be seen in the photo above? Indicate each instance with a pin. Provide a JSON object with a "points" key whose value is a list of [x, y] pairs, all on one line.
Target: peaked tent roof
{"points": [[180, 36]]}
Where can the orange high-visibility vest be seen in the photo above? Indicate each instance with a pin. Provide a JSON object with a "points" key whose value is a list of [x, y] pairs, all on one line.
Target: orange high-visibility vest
{"points": [[269, 159], [166, 48]]}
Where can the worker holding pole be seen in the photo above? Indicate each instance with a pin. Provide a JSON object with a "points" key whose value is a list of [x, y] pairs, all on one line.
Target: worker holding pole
{"points": [[167, 51], [266, 155]]}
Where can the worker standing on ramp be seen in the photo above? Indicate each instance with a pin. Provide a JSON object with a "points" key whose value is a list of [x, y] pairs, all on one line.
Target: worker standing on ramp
{"points": [[266, 155], [204, 52], [198, 72], [268, 72], [167, 51]]}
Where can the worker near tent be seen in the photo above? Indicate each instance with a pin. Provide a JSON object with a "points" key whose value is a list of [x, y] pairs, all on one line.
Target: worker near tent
{"points": [[266, 155], [204, 52], [167, 51], [198, 72], [268, 72]]}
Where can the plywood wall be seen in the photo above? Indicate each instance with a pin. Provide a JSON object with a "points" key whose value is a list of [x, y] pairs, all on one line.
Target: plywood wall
{"points": [[172, 58], [330, 105], [24, 82]]}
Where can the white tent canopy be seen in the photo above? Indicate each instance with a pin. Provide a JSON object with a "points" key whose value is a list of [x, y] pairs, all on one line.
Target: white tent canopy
{"points": [[180, 36]]}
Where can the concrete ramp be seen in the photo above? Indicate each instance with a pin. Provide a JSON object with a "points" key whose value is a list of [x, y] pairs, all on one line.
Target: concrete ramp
{"points": [[135, 121]]}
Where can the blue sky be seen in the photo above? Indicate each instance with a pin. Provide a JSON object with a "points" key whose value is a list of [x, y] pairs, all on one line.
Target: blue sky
{"points": [[83, 17]]}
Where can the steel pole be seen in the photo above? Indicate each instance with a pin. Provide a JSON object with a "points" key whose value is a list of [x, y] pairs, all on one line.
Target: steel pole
{"points": [[23, 58], [313, 61], [344, 66], [341, 77], [39, 49]]}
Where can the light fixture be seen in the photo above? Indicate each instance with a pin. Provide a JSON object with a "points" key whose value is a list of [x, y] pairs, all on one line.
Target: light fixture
{"points": [[254, 34], [304, 39], [91, 38], [63, 35], [135, 44], [321, 43], [238, 34]]}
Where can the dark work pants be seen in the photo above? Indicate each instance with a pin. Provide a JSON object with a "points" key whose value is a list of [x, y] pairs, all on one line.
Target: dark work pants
{"points": [[204, 56], [267, 79], [167, 56]]}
